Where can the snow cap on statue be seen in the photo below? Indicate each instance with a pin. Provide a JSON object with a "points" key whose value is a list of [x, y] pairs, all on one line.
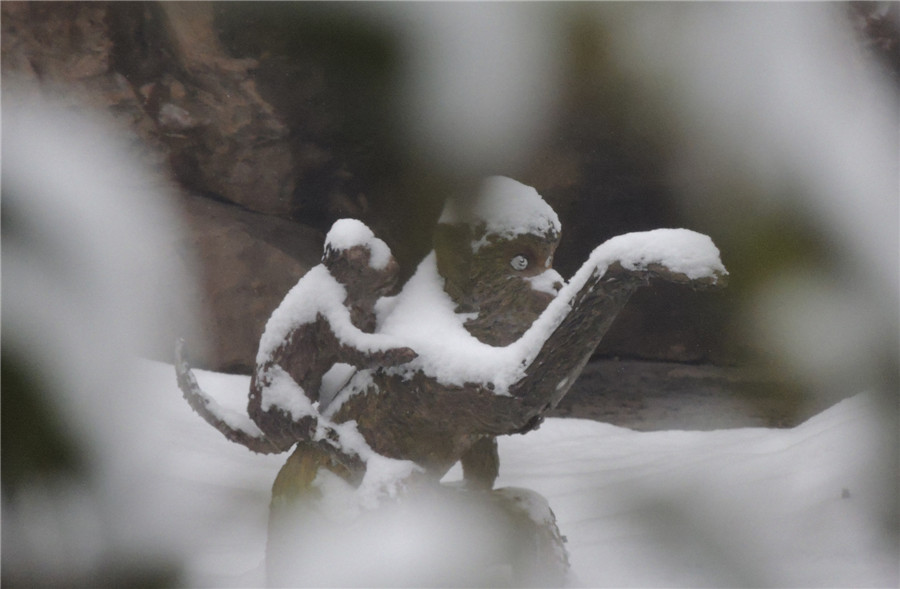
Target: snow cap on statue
{"points": [[347, 233], [505, 208]]}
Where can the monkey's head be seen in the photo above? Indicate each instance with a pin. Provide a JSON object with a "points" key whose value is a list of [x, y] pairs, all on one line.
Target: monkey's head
{"points": [[363, 264], [495, 253]]}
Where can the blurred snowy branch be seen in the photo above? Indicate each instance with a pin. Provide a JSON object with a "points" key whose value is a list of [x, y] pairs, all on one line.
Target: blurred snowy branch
{"points": [[90, 281]]}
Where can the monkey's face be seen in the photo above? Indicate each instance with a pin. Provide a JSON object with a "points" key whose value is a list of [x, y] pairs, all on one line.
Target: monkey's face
{"points": [[506, 281], [352, 268], [364, 283]]}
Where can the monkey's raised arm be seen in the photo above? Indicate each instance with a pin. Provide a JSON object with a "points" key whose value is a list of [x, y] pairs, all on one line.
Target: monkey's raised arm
{"points": [[597, 303]]}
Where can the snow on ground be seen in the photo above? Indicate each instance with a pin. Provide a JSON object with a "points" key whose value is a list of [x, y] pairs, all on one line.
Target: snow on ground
{"points": [[743, 507], [740, 507]]}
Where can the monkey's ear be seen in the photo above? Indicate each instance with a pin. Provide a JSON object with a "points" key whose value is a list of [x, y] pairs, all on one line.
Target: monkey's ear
{"points": [[453, 250]]}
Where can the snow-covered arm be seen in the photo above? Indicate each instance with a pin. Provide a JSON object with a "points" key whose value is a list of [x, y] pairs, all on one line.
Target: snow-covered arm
{"points": [[587, 306], [361, 349], [314, 321]]}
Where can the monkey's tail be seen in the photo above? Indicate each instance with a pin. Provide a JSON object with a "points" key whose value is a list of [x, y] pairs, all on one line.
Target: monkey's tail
{"points": [[233, 425]]}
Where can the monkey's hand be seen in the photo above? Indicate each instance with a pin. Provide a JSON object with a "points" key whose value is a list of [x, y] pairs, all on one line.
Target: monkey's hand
{"points": [[395, 356], [376, 358]]}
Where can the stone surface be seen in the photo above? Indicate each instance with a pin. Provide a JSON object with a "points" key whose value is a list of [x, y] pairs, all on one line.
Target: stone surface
{"points": [[248, 262], [222, 137], [196, 117]]}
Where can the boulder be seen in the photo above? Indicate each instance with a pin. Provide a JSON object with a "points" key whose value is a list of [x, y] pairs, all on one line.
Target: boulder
{"points": [[247, 263]]}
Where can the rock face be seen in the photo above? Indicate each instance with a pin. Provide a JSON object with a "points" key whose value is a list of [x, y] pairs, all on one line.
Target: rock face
{"points": [[248, 262], [197, 117], [223, 138]]}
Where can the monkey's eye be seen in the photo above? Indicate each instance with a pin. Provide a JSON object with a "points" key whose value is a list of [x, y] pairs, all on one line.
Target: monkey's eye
{"points": [[519, 262]]}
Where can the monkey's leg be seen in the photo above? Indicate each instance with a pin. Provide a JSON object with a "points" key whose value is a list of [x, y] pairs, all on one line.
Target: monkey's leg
{"points": [[481, 464], [294, 517]]}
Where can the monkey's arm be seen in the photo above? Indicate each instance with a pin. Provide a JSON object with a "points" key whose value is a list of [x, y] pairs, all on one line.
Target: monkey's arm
{"points": [[593, 308], [359, 348]]}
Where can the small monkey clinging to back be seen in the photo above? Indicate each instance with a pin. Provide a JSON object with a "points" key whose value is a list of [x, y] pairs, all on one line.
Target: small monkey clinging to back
{"points": [[326, 319]]}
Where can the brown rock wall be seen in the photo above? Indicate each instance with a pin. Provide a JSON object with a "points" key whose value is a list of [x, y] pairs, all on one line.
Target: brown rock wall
{"points": [[248, 262], [197, 118]]}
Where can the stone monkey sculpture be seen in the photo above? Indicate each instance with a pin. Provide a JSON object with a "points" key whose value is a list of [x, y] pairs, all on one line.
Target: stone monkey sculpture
{"points": [[497, 273], [306, 351], [326, 319], [492, 257], [499, 339]]}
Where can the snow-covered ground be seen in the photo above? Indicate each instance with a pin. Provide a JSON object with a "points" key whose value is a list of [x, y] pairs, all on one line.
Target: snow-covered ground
{"points": [[739, 507]]}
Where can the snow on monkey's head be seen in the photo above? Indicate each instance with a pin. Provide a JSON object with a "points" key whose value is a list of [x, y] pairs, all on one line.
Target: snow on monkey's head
{"points": [[361, 262]]}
